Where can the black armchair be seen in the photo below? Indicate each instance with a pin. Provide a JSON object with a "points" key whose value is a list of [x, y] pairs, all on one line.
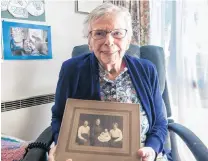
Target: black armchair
{"points": [[156, 55]]}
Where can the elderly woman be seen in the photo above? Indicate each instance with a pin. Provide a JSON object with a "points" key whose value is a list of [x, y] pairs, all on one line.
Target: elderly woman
{"points": [[108, 73]]}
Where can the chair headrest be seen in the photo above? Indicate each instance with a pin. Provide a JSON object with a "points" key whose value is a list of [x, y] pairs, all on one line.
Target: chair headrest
{"points": [[153, 53]]}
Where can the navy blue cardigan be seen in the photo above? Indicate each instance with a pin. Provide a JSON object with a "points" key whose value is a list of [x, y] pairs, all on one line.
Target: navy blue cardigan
{"points": [[79, 79]]}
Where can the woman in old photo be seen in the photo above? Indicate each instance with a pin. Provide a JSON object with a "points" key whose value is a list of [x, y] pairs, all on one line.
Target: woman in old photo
{"points": [[84, 134], [116, 136], [95, 133]]}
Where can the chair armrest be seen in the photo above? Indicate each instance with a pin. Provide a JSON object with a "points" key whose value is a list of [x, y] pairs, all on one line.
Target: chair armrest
{"points": [[195, 145], [38, 154]]}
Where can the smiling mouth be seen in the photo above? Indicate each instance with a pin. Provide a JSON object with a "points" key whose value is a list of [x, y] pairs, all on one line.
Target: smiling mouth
{"points": [[109, 52]]}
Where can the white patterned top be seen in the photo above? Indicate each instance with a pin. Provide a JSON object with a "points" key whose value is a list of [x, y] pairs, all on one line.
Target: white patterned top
{"points": [[122, 90]]}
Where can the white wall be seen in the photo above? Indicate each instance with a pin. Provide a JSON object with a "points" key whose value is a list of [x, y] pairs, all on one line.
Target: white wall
{"points": [[22, 79]]}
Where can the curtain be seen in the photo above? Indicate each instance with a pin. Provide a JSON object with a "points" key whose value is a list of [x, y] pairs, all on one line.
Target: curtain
{"points": [[182, 31], [140, 19], [193, 61]]}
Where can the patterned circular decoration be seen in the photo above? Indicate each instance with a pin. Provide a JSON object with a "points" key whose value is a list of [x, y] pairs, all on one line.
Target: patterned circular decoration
{"points": [[35, 7]]}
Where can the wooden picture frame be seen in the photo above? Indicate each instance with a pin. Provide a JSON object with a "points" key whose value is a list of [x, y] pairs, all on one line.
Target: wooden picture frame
{"points": [[86, 6], [124, 118]]}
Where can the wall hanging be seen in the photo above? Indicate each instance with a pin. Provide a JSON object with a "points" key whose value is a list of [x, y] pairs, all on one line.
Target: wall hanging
{"points": [[26, 41], [33, 10]]}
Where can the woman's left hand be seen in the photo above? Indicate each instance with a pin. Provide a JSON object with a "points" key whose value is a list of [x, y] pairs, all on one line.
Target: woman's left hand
{"points": [[146, 154]]}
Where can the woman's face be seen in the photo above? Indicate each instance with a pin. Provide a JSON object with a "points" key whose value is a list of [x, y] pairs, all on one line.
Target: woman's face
{"points": [[98, 122], [85, 123], [115, 126], [109, 50]]}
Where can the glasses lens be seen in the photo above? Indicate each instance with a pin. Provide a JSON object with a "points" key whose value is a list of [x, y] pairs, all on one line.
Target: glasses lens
{"points": [[119, 33], [98, 34], [101, 34]]}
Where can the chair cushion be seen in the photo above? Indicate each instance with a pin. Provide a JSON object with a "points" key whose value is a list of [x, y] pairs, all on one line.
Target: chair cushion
{"points": [[153, 53]]}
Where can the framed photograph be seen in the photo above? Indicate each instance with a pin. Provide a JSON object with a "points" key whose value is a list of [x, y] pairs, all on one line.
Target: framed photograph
{"points": [[86, 6], [97, 130], [26, 41]]}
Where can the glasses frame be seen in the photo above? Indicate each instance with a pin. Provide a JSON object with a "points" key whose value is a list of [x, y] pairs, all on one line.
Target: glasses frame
{"points": [[107, 32]]}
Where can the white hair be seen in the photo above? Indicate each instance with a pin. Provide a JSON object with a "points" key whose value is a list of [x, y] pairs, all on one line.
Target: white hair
{"points": [[102, 10]]}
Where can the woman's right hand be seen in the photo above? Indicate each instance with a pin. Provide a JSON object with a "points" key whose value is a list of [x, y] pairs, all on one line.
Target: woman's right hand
{"points": [[51, 156]]}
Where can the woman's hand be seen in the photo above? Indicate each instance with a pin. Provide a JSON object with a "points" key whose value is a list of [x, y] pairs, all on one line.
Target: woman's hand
{"points": [[51, 156], [147, 154]]}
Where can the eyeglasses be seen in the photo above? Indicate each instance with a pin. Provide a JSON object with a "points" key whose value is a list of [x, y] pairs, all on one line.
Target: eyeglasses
{"points": [[101, 34]]}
